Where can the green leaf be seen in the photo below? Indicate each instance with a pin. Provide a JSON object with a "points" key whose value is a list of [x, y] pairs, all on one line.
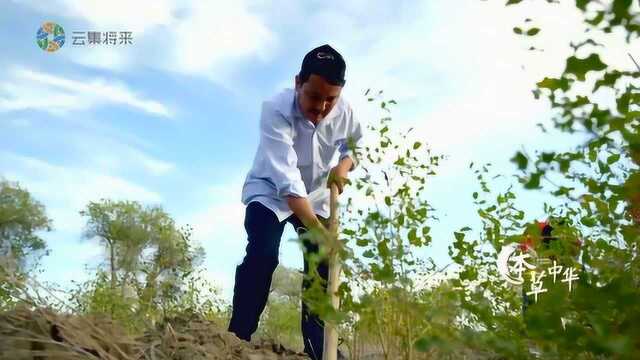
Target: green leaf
{"points": [[512, 2], [413, 238], [519, 215], [459, 236], [533, 31], [384, 274], [534, 181], [520, 160], [368, 254], [580, 67], [423, 344], [623, 103], [596, 19], [387, 200], [517, 30], [362, 242], [554, 84], [588, 221], [383, 249], [548, 157], [582, 4], [613, 158], [604, 168], [400, 161], [416, 145]]}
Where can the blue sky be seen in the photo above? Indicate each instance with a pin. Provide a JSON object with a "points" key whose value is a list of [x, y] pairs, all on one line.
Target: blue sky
{"points": [[172, 118]]}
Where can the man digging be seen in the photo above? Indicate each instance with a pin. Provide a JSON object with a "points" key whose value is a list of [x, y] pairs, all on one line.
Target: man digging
{"points": [[301, 130]]}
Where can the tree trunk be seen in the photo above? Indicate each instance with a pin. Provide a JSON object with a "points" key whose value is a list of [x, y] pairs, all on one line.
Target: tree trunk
{"points": [[113, 264]]}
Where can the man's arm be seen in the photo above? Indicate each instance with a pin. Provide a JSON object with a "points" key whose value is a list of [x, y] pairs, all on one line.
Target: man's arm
{"points": [[278, 157], [302, 209], [338, 173], [280, 165], [345, 164]]}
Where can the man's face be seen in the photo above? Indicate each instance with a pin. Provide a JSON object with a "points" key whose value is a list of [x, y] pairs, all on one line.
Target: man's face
{"points": [[316, 97]]}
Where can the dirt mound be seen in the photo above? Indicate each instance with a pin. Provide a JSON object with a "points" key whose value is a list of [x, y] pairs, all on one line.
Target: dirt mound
{"points": [[43, 334]]}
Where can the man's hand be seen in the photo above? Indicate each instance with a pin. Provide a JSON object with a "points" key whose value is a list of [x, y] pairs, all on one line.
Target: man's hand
{"points": [[338, 175], [320, 235]]}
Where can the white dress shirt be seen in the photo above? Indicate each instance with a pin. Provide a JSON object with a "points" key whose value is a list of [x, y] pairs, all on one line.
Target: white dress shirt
{"points": [[294, 156]]}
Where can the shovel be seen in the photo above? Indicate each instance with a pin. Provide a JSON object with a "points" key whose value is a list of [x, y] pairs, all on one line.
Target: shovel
{"points": [[330, 348]]}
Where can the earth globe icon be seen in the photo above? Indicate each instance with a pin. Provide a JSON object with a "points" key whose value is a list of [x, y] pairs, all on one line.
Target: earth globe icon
{"points": [[50, 36]]}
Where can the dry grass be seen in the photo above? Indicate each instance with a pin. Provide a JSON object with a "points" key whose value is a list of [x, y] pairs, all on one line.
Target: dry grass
{"points": [[43, 334]]}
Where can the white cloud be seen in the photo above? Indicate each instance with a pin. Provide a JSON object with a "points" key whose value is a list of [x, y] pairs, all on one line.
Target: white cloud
{"points": [[220, 223], [206, 38], [67, 190], [212, 35], [118, 60], [154, 166], [29, 89], [107, 154], [122, 15], [219, 228], [462, 78], [114, 15]]}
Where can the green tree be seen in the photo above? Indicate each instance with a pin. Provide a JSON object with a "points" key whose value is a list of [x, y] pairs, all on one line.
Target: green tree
{"points": [[280, 321], [597, 186], [21, 217], [385, 224], [144, 249]]}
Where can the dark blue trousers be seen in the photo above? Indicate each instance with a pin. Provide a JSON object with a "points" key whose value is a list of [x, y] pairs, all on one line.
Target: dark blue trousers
{"points": [[253, 276]]}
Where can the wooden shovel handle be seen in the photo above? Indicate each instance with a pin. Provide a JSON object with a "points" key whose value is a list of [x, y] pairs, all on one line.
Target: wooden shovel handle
{"points": [[330, 351]]}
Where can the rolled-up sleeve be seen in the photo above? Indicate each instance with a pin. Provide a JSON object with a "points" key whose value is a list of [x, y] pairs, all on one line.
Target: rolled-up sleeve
{"points": [[279, 157], [354, 140]]}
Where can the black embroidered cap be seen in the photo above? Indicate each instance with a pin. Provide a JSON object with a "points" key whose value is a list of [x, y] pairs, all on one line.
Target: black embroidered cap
{"points": [[324, 61]]}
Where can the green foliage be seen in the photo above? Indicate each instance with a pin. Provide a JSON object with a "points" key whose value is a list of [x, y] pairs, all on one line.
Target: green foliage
{"points": [[21, 218], [151, 274], [600, 201], [144, 249], [600, 209], [195, 298], [96, 296], [380, 304], [280, 321], [580, 67]]}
